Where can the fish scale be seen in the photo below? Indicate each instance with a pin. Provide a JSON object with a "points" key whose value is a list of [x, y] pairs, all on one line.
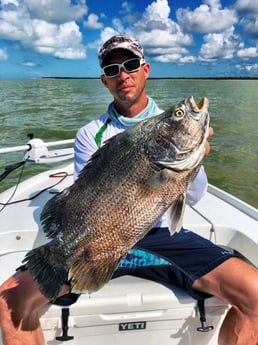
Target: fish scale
{"points": [[119, 196]]}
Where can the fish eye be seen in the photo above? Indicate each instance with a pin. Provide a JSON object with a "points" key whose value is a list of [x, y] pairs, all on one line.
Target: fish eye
{"points": [[179, 112]]}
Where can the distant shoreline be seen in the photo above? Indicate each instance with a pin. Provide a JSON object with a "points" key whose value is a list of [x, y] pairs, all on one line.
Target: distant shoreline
{"points": [[181, 78]]}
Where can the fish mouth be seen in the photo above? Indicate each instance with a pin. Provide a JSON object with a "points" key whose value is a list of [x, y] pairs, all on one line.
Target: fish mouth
{"points": [[201, 106]]}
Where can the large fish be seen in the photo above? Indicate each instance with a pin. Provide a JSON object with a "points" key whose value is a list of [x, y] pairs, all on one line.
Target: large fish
{"points": [[119, 196]]}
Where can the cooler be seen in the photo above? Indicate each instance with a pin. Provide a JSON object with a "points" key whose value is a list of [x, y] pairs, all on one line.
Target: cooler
{"points": [[130, 310]]}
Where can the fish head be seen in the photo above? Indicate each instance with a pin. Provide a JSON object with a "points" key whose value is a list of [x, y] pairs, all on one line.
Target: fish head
{"points": [[180, 139]]}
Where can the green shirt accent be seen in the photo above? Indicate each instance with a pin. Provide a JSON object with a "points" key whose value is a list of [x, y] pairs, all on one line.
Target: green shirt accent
{"points": [[99, 134]]}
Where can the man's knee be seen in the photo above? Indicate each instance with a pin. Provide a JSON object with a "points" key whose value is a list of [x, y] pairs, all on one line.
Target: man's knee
{"points": [[248, 302]]}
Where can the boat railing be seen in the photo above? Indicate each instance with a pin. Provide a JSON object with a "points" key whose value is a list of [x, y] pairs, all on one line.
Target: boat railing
{"points": [[36, 150], [234, 201]]}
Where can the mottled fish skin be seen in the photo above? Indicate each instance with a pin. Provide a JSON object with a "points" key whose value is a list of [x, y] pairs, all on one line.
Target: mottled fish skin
{"points": [[119, 196]]}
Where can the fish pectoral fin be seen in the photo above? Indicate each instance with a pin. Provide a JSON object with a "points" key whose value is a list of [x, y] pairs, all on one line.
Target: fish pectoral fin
{"points": [[89, 276], [160, 178], [175, 214]]}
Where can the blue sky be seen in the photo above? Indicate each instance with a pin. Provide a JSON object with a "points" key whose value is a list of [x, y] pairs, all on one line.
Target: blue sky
{"points": [[208, 38]]}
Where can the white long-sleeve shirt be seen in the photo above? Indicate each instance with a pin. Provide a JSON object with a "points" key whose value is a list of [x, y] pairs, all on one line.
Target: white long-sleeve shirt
{"points": [[86, 145]]}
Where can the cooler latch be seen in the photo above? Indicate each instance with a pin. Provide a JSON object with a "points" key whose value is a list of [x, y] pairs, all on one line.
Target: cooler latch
{"points": [[65, 321], [204, 327]]}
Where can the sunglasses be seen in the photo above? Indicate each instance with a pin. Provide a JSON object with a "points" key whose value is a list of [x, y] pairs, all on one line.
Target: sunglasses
{"points": [[130, 66]]}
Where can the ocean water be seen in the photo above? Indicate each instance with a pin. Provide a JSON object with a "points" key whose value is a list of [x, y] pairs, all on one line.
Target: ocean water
{"points": [[53, 109]]}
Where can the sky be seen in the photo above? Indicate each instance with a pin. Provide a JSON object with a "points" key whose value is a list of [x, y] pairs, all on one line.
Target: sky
{"points": [[181, 38]]}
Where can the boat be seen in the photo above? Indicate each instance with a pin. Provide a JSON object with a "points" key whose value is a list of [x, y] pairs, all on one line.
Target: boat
{"points": [[128, 309]]}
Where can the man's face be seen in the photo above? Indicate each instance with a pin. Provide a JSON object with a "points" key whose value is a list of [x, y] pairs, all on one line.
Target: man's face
{"points": [[126, 87]]}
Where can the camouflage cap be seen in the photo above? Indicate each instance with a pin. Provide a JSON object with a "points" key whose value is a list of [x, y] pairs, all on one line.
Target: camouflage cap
{"points": [[120, 42]]}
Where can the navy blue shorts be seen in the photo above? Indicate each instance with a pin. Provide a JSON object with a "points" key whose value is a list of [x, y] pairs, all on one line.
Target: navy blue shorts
{"points": [[185, 257]]}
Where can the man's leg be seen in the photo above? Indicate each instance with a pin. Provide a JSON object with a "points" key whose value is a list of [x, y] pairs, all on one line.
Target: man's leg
{"points": [[236, 282], [20, 301]]}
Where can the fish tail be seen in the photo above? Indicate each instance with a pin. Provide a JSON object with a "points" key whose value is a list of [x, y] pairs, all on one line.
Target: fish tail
{"points": [[48, 269]]}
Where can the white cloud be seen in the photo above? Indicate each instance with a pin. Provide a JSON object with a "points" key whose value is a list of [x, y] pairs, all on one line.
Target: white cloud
{"points": [[162, 38], [206, 18], [56, 11], [247, 53], [104, 36], [15, 25], [188, 59], [168, 58], [169, 50], [248, 9], [93, 22], [170, 54], [62, 41], [3, 55], [247, 69], [126, 7], [118, 25], [219, 46], [10, 2], [250, 26], [42, 25], [127, 14], [157, 11], [247, 6], [166, 40], [29, 64]]}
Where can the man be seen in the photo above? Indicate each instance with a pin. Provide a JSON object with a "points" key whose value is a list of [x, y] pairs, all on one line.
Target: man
{"points": [[124, 73]]}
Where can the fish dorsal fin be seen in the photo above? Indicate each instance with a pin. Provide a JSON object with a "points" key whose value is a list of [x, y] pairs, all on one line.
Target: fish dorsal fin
{"points": [[52, 214], [175, 214]]}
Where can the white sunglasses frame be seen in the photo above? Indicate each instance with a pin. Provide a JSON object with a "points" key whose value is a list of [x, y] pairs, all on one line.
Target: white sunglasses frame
{"points": [[121, 65]]}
